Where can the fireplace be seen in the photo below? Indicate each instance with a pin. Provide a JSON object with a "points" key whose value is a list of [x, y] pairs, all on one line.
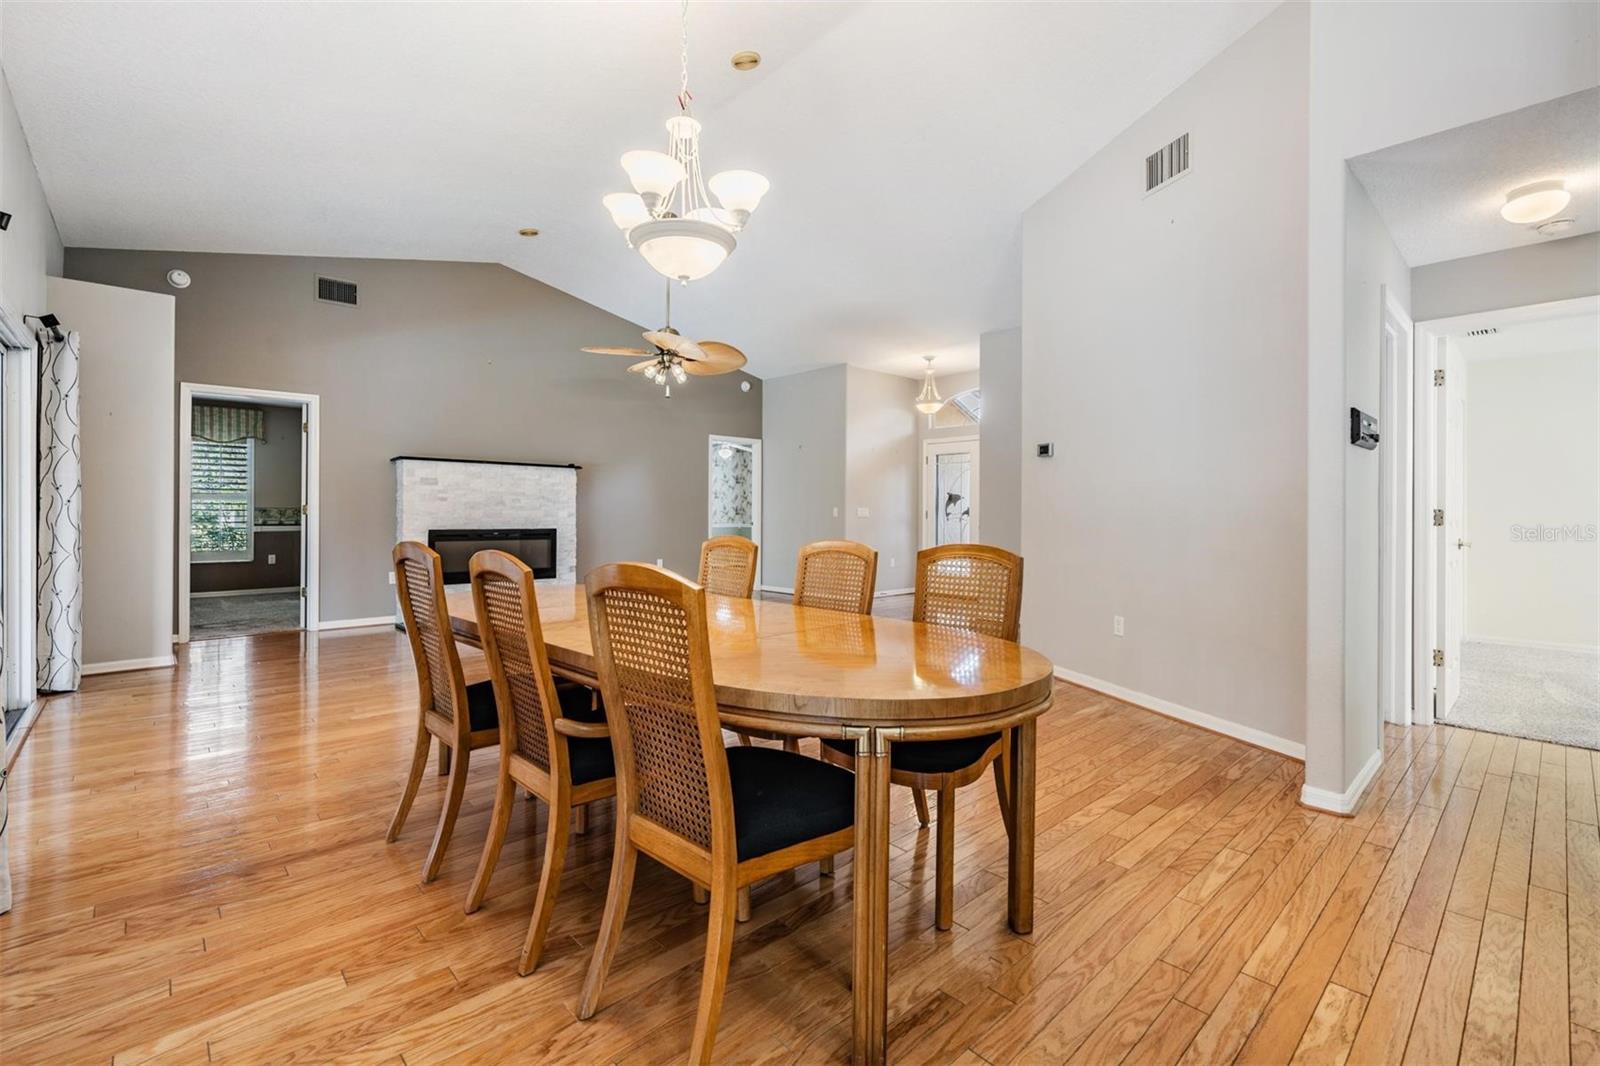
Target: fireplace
{"points": [[536, 547]]}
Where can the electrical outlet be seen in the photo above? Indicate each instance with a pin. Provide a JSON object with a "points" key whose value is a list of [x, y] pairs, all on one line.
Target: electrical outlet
{"points": [[272, 560], [836, 512], [1116, 625], [661, 563], [391, 577], [891, 562]]}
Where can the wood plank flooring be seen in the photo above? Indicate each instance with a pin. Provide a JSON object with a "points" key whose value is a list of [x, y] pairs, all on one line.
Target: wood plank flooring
{"points": [[201, 876]]}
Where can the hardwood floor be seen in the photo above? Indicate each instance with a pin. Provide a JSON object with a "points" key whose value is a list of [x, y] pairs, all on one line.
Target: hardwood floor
{"points": [[201, 876]]}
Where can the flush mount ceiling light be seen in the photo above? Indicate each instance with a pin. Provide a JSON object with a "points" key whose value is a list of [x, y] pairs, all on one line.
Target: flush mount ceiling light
{"points": [[527, 231], [670, 218], [928, 401], [1534, 203], [746, 60]]}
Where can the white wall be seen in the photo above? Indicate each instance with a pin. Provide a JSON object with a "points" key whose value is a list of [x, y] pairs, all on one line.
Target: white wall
{"points": [[1532, 459], [31, 247], [1372, 264], [1161, 341], [1000, 437], [802, 467], [1537, 273], [1382, 74], [881, 467], [128, 437]]}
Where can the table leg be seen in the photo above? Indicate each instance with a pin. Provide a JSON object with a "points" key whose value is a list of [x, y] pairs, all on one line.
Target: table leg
{"points": [[1019, 908], [871, 939]]}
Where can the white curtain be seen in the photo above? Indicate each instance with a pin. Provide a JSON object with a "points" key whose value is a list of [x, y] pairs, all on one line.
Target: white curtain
{"points": [[60, 518]]}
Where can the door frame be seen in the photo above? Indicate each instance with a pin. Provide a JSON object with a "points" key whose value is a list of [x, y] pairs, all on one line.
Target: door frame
{"points": [[754, 444], [929, 446], [1430, 337], [1395, 511], [310, 490]]}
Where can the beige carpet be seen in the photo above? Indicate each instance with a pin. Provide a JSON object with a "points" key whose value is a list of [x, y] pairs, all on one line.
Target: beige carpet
{"points": [[1540, 693]]}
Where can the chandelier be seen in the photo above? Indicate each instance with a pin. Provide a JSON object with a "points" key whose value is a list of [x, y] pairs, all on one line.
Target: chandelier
{"points": [[669, 218], [928, 401]]}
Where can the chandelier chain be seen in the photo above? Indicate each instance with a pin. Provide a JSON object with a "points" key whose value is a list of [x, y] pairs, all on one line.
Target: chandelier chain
{"points": [[684, 96]]}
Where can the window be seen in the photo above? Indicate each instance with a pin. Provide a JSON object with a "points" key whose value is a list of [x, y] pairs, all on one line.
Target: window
{"points": [[221, 502]]}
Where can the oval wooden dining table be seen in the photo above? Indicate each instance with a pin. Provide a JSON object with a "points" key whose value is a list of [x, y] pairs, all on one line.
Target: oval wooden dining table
{"points": [[808, 672]]}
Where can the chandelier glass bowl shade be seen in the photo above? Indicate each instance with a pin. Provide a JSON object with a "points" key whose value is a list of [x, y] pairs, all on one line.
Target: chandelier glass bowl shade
{"points": [[1534, 203], [682, 230], [928, 401]]}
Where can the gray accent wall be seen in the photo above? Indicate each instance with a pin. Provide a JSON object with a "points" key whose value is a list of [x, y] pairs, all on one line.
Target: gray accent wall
{"points": [[1000, 445], [464, 360], [802, 467], [882, 472]]}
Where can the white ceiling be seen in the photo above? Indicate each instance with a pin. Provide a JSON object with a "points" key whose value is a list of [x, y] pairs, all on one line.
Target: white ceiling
{"points": [[903, 141], [1441, 195], [1546, 336]]}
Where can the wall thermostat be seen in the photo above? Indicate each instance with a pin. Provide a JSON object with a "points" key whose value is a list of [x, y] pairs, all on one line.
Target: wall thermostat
{"points": [[178, 279], [1046, 451], [1363, 429]]}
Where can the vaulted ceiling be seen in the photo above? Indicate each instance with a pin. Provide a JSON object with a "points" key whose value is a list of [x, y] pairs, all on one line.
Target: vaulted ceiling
{"points": [[903, 142]]}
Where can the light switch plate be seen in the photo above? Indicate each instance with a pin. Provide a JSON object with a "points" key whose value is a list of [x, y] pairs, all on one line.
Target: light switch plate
{"points": [[862, 512]]}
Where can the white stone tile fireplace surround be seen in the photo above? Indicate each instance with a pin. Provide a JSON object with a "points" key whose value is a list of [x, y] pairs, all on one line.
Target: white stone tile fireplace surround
{"points": [[474, 494]]}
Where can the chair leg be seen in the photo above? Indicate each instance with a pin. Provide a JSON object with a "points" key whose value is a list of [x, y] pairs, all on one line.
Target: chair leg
{"points": [[504, 801], [605, 946], [701, 896], [555, 860], [825, 866], [714, 979], [447, 815], [419, 759], [742, 906], [945, 860], [1002, 783], [922, 806], [444, 759]]}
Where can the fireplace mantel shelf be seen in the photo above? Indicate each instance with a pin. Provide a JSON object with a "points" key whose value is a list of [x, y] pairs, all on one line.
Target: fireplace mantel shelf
{"points": [[484, 462]]}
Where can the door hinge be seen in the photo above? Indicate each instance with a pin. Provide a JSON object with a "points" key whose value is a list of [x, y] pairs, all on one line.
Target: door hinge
{"points": [[1438, 377], [305, 508], [302, 592], [305, 427], [1438, 517], [1438, 656]]}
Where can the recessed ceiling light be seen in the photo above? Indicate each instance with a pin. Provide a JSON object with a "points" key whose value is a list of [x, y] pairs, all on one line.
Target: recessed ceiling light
{"points": [[1535, 203], [527, 231], [178, 279], [746, 60]]}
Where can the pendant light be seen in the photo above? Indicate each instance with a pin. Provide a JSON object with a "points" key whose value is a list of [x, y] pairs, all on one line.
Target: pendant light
{"points": [[928, 401]]}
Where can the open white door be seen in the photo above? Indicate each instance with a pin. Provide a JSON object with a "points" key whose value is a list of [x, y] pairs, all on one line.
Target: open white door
{"points": [[1452, 546]]}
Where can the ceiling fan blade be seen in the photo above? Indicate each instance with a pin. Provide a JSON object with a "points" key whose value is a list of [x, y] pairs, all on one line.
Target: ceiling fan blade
{"points": [[671, 342], [634, 352], [722, 355], [642, 366]]}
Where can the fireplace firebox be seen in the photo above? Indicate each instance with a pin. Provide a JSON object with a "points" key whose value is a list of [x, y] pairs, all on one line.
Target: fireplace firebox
{"points": [[456, 547]]}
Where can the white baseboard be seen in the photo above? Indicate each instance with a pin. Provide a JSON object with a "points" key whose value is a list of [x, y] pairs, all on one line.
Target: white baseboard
{"points": [[156, 662], [1343, 802], [243, 592], [358, 623], [1249, 735], [777, 588], [1543, 645], [892, 592]]}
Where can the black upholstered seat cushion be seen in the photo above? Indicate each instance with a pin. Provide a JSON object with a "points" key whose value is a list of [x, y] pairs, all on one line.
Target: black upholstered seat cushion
{"points": [[480, 707], [781, 798], [930, 756]]}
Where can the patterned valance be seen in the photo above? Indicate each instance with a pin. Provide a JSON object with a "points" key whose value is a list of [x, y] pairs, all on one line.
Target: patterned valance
{"points": [[224, 423]]}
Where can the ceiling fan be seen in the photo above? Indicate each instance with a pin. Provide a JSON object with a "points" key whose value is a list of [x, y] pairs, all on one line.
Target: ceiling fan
{"points": [[675, 357]]}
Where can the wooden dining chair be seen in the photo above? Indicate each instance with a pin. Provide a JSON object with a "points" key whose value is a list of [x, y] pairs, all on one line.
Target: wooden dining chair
{"points": [[728, 566], [976, 588], [839, 575], [553, 740], [460, 716], [721, 817]]}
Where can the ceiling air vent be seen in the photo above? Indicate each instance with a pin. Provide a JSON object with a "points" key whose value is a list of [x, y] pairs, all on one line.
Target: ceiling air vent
{"points": [[1486, 331], [333, 291], [1166, 165]]}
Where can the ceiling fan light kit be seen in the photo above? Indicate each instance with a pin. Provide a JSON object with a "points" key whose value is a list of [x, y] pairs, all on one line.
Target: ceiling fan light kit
{"points": [[670, 218]]}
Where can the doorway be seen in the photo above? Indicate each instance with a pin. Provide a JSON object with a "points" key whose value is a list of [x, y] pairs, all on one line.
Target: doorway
{"points": [[247, 505], [1514, 608], [949, 491], [733, 482]]}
